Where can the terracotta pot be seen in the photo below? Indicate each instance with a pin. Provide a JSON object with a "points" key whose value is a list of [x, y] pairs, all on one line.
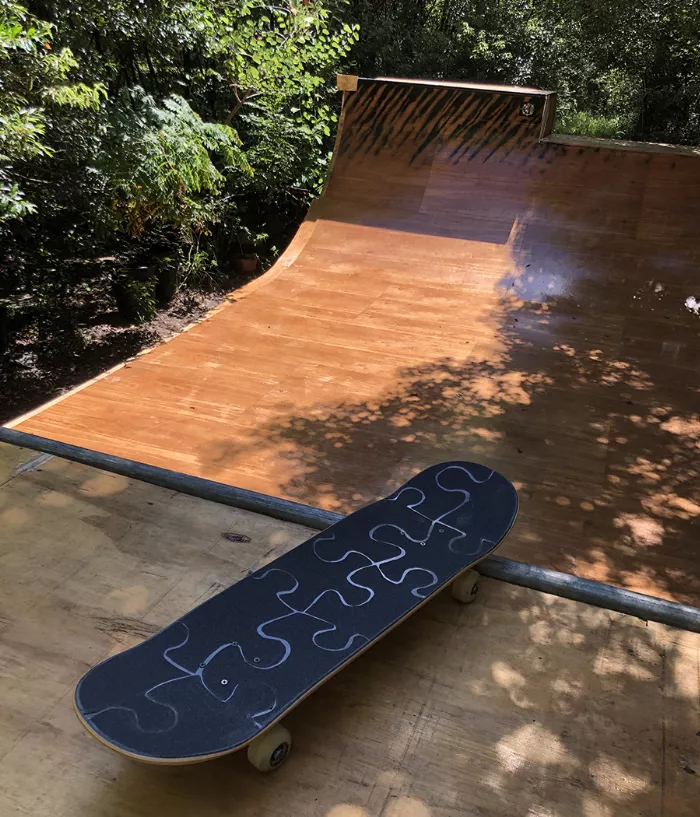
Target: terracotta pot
{"points": [[245, 265]]}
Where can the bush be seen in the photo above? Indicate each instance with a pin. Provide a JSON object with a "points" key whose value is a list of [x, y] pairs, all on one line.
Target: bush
{"points": [[182, 129], [135, 299]]}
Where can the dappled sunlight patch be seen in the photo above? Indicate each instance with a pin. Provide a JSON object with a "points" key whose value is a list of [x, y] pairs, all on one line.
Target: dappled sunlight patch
{"points": [[346, 810], [648, 471], [618, 372], [594, 562], [545, 633], [667, 504], [55, 499], [672, 505], [285, 538], [643, 650], [644, 531], [403, 420], [617, 663], [14, 517], [406, 807], [566, 349], [480, 687], [506, 387], [129, 601], [686, 427], [487, 434], [542, 811], [684, 668], [643, 578], [555, 620], [104, 485], [601, 428], [566, 693], [513, 682], [617, 781], [534, 745], [531, 536], [688, 506]]}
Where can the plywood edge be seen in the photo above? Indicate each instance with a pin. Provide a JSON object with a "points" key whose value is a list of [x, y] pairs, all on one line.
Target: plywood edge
{"points": [[469, 86], [284, 262], [621, 144], [288, 257], [550, 110], [22, 418]]}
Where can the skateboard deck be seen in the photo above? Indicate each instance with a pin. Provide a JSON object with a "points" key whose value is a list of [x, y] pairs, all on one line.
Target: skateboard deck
{"points": [[214, 680]]}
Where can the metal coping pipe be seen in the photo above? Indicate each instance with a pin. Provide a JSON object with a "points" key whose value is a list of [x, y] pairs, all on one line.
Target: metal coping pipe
{"points": [[176, 481], [565, 585]]}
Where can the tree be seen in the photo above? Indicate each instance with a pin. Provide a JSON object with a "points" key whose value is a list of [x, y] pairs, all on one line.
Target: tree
{"points": [[33, 80], [183, 127]]}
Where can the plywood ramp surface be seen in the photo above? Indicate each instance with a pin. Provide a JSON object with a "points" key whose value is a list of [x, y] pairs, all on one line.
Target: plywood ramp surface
{"points": [[521, 704], [462, 290]]}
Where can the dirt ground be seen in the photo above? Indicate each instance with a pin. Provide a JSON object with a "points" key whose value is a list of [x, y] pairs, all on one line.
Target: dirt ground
{"points": [[47, 359]]}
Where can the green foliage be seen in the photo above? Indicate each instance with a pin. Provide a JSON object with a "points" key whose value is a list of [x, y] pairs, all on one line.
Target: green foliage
{"points": [[276, 62], [12, 202], [142, 129], [160, 164], [136, 300], [32, 78], [586, 124]]}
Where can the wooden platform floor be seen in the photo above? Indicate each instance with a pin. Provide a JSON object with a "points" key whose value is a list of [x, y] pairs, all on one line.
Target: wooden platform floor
{"points": [[463, 290], [521, 704]]}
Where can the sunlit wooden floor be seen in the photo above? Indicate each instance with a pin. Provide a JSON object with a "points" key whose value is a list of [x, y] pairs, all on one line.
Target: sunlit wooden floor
{"points": [[463, 290], [521, 704]]}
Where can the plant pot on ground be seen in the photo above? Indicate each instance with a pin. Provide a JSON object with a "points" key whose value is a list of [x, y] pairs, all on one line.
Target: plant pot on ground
{"points": [[134, 291], [246, 264], [167, 282]]}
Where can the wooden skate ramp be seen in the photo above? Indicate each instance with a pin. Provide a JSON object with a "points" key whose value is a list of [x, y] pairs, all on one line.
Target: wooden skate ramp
{"points": [[468, 287]]}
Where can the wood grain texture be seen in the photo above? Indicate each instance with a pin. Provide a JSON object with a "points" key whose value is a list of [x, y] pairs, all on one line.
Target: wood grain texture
{"points": [[521, 703], [462, 290]]}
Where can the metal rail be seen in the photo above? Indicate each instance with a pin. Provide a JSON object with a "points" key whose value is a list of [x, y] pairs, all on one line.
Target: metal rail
{"points": [[565, 585]]}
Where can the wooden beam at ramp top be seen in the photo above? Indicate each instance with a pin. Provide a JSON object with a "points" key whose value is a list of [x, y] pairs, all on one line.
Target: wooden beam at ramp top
{"points": [[346, 82]]}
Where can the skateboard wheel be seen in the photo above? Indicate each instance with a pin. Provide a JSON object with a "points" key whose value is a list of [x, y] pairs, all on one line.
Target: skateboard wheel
{"points": [[466, 586], [270, 750]]}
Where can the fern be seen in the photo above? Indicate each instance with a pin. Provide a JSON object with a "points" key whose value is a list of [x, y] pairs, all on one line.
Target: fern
{"points": [[164, 163]]}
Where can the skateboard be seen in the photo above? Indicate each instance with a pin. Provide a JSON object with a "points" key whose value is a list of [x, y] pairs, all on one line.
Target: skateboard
{"points": [[221, 677]]}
